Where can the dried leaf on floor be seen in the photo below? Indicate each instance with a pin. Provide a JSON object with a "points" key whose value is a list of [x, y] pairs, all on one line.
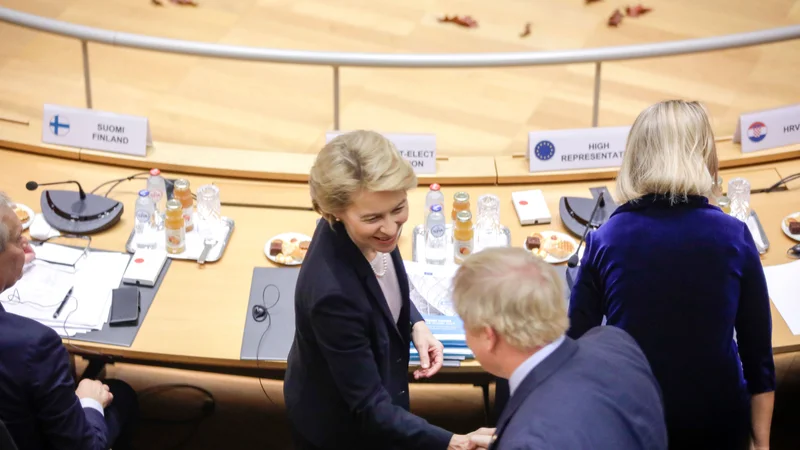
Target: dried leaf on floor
{"points": [[464, 21], [615, 18], [637, 10], [527, 31]]}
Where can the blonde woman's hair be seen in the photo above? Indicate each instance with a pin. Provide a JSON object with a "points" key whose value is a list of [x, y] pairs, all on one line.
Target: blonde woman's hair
{"points": [[359, 160], [670, 151], [514, 293]]}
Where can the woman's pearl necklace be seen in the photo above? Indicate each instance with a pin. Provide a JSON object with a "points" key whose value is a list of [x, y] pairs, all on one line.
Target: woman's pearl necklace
{"points": [[385, 264]]}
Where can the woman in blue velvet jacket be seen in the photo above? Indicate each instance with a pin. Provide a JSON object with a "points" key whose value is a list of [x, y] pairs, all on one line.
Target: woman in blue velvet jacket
{"points": [[681, 276]]}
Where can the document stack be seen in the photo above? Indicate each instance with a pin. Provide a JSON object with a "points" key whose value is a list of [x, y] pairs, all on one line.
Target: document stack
{"points": [[67, 289], [430, 289]]}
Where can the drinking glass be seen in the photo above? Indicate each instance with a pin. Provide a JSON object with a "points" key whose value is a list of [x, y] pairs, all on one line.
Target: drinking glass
{"points": [[487, 225], [208, 208], [739, 194]]}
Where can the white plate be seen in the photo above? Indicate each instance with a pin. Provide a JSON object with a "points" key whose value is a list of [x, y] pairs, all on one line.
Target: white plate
{"points": [[30, 212], [285, 237], [552, 259], [785, 228]]}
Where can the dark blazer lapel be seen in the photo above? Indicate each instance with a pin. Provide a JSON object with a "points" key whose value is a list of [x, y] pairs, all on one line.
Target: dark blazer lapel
{"points": [[405, 295], [354, 256], [538, 375]]}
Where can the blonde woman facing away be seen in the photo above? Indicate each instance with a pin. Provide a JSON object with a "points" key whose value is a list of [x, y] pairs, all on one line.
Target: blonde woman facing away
{"points": [[681, 277], [346, 384]]}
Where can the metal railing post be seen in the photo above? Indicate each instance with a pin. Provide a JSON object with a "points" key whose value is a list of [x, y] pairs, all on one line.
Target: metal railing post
{"points": [[87, 81], [336, 98], [596, 105]]}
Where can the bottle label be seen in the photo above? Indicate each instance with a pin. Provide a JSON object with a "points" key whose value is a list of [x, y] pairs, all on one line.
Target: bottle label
{"points": [[143, 216], [437, 231], [175, 238], [461, 249], [156, 196], [187, 217]]}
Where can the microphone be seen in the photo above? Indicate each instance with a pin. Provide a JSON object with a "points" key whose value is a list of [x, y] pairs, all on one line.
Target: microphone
{"points": [[573, 260], [32, 186]]}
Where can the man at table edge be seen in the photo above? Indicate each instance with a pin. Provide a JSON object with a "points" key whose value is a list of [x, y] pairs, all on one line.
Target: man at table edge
{"points": [[39, 404]]}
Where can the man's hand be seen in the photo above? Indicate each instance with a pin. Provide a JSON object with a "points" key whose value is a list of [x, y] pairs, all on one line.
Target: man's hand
{"points": [[96, 391], [482, 437], [460, 442], [29, 254], [431, 351]]}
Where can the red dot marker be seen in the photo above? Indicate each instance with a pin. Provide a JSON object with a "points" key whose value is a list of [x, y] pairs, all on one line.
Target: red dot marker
{"points": [[138, 260], [523, 202]]}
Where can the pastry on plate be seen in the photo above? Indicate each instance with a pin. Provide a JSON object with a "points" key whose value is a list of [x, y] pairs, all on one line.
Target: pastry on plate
{"points": [[275, 247], [559, 248], [533, 242], [298, 254], [794, 227], [563, 249], [539, 252], [22, 215]]}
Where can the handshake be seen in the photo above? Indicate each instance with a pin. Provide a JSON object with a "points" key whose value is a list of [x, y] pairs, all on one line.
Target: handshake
{"points": [[480, 438]]}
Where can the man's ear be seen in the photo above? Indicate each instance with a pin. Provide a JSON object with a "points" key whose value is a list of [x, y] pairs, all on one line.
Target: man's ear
{"points": [[490, 338]]}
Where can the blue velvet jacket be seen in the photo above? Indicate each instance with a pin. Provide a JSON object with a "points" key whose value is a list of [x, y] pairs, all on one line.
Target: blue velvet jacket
{"points": [[681, 278]]}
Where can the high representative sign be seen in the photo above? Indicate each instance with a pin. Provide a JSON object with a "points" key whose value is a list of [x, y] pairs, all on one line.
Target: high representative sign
{"points": [[585, 148], [96, 130], [770, 128], [417, 149]]}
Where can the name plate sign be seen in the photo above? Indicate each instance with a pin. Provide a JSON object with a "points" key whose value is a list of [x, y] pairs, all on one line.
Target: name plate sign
{"points": [[770, 128], [96, 130], [585, 148], [417, 149]]}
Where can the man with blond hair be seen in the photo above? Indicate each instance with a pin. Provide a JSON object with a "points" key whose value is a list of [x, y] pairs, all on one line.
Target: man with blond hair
{"points": [[597, 392]]}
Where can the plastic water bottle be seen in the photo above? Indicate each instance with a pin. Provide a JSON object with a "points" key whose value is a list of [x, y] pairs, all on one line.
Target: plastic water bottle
{"points": [[435, 237], [143, 225], [158, 194], [434, 197]]}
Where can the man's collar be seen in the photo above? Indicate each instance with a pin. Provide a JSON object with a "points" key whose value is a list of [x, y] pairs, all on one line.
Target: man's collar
{"points": [[529, 364]]}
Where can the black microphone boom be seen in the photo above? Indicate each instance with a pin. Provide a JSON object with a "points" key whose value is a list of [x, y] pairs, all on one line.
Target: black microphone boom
{"points": [[32, 186], [573, 260]]}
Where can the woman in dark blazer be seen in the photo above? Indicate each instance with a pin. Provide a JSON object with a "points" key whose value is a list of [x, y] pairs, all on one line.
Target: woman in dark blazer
{"points": [[680, 276], [346, 385]]}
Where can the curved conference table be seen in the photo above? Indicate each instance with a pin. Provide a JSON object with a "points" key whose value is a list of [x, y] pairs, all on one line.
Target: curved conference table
{"points": [[197, 319]]}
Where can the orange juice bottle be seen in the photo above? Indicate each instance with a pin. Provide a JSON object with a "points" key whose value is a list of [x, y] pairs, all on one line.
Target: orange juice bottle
{"points": [[460, 203], [175, 228], [184, 195], [463, 235]]}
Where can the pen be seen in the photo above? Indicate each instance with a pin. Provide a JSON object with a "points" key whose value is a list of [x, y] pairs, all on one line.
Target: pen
{"points": [[63, 302]]}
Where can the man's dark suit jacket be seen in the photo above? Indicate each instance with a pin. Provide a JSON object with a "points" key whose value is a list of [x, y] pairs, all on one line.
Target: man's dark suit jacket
{"points": [[37, 392], [346, 383], [594, 393]]}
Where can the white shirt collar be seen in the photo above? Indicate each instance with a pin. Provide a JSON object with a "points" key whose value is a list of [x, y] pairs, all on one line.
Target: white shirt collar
{"points": [[529, 364]]}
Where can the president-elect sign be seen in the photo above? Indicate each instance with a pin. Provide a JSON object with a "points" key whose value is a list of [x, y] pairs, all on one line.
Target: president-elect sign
{"points": [[417, 149], [585, 148]]}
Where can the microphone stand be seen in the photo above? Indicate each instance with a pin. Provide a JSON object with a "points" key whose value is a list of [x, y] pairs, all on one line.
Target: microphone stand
{"points": [[572, 264]]}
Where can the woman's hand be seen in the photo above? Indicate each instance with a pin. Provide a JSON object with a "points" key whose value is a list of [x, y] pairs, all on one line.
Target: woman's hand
{"points": [[431, 351]]}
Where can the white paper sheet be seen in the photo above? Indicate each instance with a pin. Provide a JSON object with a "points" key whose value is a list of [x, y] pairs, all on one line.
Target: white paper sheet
{"points": [[40, 291], [43, 286], [783, 282], [58, 254]]}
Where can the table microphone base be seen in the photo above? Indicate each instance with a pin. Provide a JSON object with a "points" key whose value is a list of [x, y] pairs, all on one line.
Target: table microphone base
{"points": [[67, 212], [576, 211]]}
